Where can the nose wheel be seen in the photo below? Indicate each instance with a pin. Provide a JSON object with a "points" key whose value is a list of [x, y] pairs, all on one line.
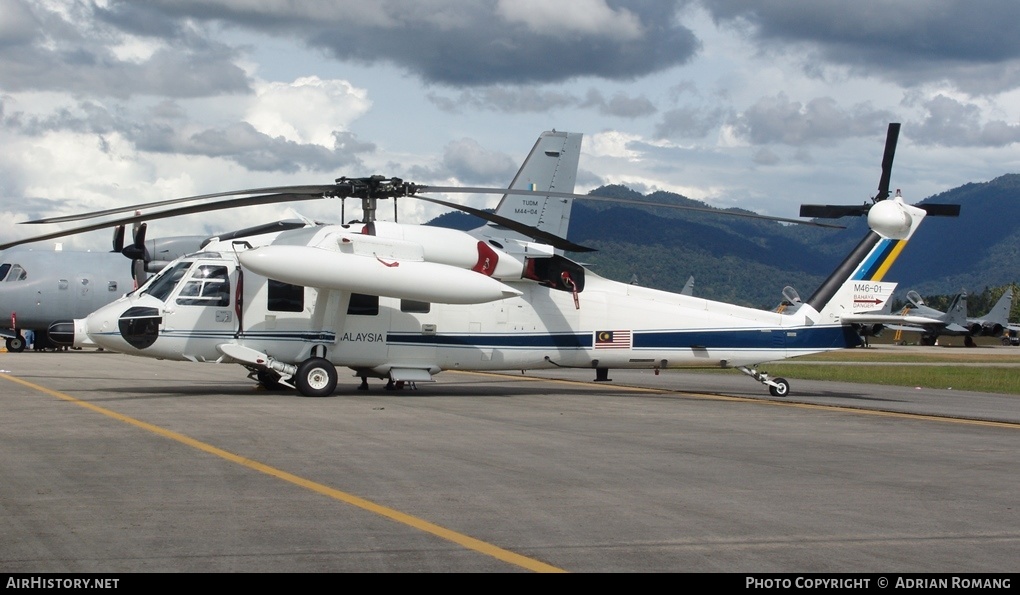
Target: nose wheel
{"points": [[315, 377], [15, 344]]}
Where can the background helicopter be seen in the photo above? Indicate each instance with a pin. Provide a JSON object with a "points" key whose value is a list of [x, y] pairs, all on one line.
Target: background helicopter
{"points": [[404, 302]]}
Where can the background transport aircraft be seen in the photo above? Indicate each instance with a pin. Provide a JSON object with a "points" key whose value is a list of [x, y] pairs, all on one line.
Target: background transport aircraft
{"points": [[39, 286], [954, 321]]}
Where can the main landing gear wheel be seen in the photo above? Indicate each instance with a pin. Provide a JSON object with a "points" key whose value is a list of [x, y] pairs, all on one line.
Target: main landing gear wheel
{"points": [[316, 377], [16, 344], [781, 387]]}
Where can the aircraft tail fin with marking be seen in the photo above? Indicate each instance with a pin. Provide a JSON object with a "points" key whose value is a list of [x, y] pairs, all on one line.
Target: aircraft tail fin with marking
{"points": [[856, 285], [552, 166], [956, 314], [999, 314]]}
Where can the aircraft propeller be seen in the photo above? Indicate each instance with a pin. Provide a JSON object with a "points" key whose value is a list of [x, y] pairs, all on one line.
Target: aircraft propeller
{"points": [[838, 211], [118, 238]]}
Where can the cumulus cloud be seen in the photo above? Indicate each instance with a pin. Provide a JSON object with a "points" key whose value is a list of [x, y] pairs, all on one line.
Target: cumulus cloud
{"points": [[907, 43], [689, 122], [239, 141], [54, 47], [462, 43], [471, 163], [953, 123], [530, 100], [778, 119], [308, 110], [571, 17]]}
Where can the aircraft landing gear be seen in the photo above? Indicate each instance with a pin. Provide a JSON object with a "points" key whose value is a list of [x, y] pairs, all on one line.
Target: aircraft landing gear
{"points": [[778, 387], [269, 379], [316, 377], [16, 344]]}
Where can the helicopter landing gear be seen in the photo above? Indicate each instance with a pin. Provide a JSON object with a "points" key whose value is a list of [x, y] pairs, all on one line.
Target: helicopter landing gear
{"points": [[16, 344], [316, 377], [778, 387], [269, 379]]}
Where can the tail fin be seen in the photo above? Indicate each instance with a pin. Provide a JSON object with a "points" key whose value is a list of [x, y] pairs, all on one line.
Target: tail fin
{"points": [[956, 313], [856, 284], [999, 314], [552, 166]]}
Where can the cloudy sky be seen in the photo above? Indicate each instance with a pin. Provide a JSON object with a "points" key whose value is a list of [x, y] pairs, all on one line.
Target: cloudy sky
{"points": [[762, 105]]}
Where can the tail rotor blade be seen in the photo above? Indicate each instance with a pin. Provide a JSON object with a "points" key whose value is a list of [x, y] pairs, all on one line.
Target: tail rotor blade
{"points": [[887, 160]]}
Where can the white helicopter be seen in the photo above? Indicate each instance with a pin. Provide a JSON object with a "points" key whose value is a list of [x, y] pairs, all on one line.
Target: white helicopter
{"points": [[405, 302]]}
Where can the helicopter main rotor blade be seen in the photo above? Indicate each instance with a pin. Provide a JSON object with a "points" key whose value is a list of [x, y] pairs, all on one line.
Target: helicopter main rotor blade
{"points": [[833, 211], [188, 210], [546, 237], [628, 201], [315, 190]]}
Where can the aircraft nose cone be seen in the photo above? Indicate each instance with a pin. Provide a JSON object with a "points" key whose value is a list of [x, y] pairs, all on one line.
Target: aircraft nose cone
{"points": [[118, 329]]}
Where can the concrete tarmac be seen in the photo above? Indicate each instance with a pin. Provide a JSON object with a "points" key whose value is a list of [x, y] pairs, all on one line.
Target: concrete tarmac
{"points": [[113, 464]]}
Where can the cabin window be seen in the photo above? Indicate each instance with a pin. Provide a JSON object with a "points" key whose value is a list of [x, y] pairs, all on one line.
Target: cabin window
{"points": [[363, 305], [415, 307], [209, 285], [284, 297]]}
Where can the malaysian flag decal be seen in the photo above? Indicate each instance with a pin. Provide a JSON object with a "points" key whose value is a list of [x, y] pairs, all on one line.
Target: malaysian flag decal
{"points": [[612, 339]]}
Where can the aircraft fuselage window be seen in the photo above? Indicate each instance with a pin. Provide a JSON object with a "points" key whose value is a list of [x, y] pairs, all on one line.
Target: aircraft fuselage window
{"points": [[284, 297], [209, 285], [363, 305], [162, 284], [415, 307]]}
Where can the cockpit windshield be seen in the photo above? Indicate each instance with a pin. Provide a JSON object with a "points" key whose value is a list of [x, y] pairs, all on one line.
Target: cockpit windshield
{"points": [[3, 270], [163, 283]]}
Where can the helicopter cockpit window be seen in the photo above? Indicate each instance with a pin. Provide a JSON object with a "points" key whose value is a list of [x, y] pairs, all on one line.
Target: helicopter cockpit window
{"points": [[284, 297], [209, 285], [4, 268], [16, 273], [163, 283]]}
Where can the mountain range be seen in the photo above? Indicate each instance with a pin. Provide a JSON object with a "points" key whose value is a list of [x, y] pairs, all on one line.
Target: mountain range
{"points": [[749, 261]]}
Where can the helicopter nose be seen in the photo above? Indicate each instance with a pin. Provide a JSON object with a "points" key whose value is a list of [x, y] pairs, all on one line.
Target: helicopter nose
{"points": [[118, 329]]}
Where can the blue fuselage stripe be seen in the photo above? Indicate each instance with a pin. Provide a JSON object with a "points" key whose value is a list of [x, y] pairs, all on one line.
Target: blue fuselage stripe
{"points": [[801, 338]]}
